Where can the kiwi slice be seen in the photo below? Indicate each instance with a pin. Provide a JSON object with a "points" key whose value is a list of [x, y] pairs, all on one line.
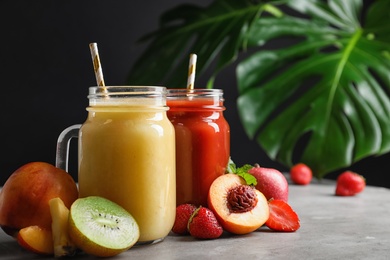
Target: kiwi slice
{"points": [[101, 227]]}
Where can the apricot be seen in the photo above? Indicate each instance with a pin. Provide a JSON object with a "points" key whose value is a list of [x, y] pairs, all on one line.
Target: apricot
{"points": [[25, 196], [239, 208]]}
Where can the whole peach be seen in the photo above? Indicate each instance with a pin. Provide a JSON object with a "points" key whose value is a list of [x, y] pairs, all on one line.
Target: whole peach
{"points": [[24, 198], [271, 182]]}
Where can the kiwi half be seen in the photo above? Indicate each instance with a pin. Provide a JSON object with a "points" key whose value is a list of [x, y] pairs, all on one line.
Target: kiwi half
{"points": [[101, 227]]}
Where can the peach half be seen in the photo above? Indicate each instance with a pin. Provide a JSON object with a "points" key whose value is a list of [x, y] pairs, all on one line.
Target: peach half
{"points": [[239, 208]]}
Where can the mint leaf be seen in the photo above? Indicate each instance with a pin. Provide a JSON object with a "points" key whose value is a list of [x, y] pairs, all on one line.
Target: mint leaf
{"points": [[243, 172], [244, 169], [231, 167]]}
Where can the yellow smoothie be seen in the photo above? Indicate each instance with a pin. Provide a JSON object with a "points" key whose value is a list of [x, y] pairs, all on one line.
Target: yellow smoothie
{"points": [[127, 154]]}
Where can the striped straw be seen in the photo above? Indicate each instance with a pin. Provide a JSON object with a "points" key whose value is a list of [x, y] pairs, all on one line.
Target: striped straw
{"points": [[191, 71], [96, 64]]}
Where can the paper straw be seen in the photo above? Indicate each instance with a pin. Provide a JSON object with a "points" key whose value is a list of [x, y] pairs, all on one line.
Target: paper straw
{"points": [[191, 71], [96, 64]]}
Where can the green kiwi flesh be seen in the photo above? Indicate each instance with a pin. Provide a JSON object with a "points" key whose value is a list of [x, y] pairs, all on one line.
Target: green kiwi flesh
{"points": [[101, 227]]}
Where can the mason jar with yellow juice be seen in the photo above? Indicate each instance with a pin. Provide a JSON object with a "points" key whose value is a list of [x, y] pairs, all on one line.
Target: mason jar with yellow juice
{"points": [[127, 154]]}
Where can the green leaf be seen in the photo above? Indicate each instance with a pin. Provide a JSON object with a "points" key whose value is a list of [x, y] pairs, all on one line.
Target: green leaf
{"points": [[328, 92], [215, 33], [231, 167], [323, 99], [243, 172]]}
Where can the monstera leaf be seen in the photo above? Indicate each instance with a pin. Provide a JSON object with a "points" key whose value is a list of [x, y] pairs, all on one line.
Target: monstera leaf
{"points": [[322, 99], [328, 92], [215, 33]]}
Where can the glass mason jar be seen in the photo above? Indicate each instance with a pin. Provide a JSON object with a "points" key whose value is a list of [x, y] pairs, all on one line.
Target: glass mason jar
{"points": [[126, 153], [202, 141]]}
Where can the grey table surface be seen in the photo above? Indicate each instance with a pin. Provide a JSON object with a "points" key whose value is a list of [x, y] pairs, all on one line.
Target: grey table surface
{"points": [[332, 227]]}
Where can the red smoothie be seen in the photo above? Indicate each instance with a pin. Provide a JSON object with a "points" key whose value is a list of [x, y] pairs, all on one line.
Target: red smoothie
{"points": [[202, 141]]}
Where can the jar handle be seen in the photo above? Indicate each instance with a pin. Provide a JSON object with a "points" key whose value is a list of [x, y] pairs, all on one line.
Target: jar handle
{"points": [[63, 142]]}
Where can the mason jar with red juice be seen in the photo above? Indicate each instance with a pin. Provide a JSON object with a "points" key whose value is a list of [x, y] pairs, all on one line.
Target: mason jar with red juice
{"points": [[202, 141]]}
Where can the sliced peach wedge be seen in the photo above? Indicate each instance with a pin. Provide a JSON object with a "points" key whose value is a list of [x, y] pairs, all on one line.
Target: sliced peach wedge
{"points": [[36, 239], [239, 208]]}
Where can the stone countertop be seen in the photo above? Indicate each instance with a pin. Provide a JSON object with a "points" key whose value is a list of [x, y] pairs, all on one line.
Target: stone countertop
{"points": [[332, 227]]}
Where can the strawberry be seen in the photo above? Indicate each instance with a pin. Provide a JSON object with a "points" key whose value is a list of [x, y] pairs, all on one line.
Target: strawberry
{"points": [[204, 225], [349, 183], [282, 217], [183, 214], [301, 174]]}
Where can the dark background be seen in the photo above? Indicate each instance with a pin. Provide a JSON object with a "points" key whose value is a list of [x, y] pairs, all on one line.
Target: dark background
{"points": [[46, 70]]}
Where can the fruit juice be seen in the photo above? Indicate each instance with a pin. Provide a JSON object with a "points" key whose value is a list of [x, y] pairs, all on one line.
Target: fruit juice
{"points": [[127, 155], [202, 143]]}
